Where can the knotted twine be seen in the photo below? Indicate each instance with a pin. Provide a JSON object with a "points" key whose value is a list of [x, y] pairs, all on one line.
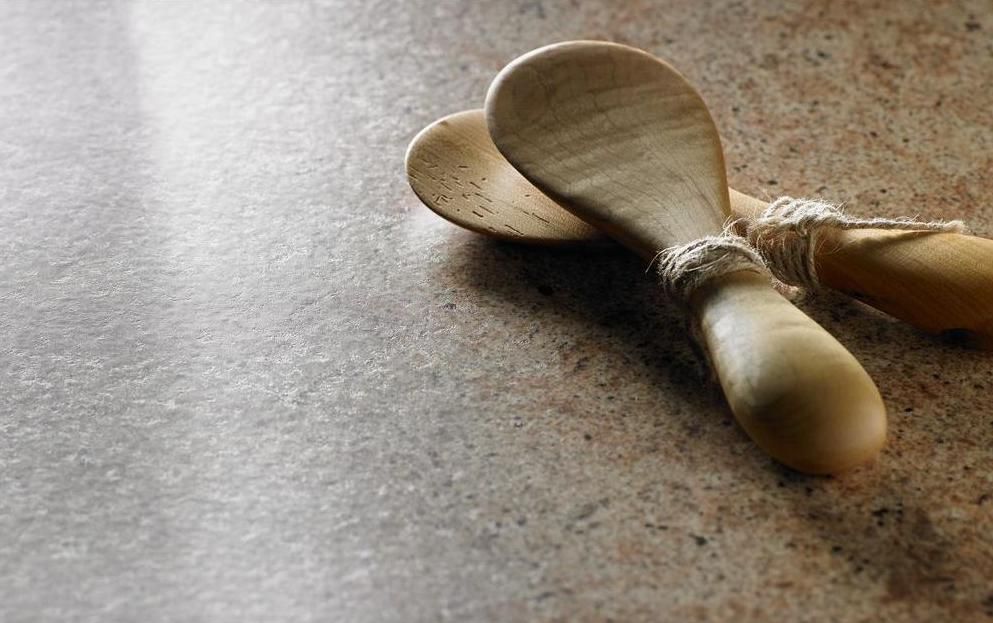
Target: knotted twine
{"points": [[781, 241], [685, 268], [787, 234]]}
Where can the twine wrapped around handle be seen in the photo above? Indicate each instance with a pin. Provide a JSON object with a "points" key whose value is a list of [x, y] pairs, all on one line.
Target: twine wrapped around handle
{"points": [[683, 269], [786, 234]]}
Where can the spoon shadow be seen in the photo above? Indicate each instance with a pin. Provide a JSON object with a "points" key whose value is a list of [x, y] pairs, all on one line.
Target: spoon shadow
{"points": [[872, 335], [602, 303], [880, 526], [879, 521], [875, 521]]}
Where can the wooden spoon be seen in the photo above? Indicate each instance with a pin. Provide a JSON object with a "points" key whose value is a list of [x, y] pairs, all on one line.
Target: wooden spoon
{"points": [[939, 282], [627, 144], [456, 170]]}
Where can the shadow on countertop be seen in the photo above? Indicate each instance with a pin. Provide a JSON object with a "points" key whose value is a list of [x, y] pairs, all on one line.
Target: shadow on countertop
{"points": [[876, 521]]}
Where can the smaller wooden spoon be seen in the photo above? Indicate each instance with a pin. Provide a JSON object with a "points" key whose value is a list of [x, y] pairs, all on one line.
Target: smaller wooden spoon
{"points": [[939, 282], [456, 170], [628, 145]]}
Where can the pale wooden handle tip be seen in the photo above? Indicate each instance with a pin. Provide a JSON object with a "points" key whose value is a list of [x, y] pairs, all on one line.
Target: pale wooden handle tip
{"points": [[799, 394], [939, 282]]}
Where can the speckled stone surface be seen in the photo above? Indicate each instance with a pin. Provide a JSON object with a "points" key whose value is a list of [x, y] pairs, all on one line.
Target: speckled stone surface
{"points": [[245, 376]]}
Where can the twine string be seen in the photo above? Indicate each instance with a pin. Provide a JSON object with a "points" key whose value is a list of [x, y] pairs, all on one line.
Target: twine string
{"points": [[787, 233], [685, 268]]}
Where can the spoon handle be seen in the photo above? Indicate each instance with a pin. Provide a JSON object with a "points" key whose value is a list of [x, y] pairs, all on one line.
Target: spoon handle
{"points": [[797, 392], [938, 282]]}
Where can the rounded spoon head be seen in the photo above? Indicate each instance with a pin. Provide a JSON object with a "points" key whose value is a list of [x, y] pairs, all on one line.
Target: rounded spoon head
{"points": [[455, 169], [615, 135]]}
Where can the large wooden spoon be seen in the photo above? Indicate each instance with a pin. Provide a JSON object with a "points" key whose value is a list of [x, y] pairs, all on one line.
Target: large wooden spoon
{"points": [[628, 145], [939, 282]]}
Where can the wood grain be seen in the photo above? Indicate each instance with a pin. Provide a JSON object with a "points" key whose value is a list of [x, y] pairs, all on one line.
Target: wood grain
{"points": [[623, 141], [455, 169], [596, 146]]}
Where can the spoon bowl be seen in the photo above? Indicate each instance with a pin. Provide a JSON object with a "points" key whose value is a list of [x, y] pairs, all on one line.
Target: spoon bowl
{"points": [[455, 169]]}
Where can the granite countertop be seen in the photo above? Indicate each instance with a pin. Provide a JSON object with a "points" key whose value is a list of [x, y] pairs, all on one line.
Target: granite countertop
{"points": [[246, 376]]}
